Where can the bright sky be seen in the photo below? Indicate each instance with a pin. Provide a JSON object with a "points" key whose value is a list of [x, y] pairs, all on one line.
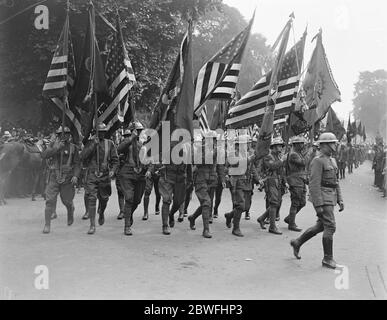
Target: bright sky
{"points": [[354, 34]]}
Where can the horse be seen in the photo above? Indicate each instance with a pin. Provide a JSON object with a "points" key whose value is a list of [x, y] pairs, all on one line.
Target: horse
{"points": [[24, 156]]}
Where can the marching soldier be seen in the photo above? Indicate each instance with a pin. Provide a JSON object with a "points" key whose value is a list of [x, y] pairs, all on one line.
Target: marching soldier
{"points": [[101, 159], [205, 181], [172, 186], [152, 181], [297, 180], [120, 193], [132, 175], [325, 194], [63, 173], [253, 179], [240, 185], [274, 184]]}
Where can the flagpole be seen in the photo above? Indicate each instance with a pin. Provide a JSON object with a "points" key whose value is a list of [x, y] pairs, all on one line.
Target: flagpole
{"points": [[65, 98]]}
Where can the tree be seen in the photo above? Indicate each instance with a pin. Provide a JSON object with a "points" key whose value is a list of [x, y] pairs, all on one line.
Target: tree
{"points": [[370, 101]]}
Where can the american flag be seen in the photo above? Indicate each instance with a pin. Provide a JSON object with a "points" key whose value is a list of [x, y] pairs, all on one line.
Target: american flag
{"points": [[217, 79], [120, 79], [251, 107], [60, 81], [203, 120]]}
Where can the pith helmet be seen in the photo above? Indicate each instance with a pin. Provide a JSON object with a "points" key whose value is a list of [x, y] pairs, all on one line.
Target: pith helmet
{"points": [[297, 139], [327, 137], [66, 130], [277, 141], [102, 127]]}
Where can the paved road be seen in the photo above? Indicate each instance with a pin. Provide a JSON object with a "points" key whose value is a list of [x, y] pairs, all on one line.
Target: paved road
{"points": [[184, 265]]}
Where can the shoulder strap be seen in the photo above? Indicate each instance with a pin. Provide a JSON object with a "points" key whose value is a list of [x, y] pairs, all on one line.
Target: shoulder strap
{"points": [[106, 150]]}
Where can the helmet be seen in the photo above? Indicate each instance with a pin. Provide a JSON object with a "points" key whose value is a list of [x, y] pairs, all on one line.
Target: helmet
{"points": [[327, 137], [7, 134], [102, 127], [126, 132], [297, 139], [315, 144], [277, 141], [66, 130]]}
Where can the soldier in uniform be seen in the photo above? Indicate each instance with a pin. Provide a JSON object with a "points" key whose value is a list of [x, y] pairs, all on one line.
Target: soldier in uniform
{"points": [[152, 181], [120, 193], [325, 193], [132, 174], [297, 180], [101, 159], [351, 158], [272, 165], [63, 173], [172, 186], [342, 157], [205, 180], [240, 185]]}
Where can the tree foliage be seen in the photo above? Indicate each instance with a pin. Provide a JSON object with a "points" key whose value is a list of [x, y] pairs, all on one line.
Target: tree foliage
{"points": [[370, 101], [152, 30]]}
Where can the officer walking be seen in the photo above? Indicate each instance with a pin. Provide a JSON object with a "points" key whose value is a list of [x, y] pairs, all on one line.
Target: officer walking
{"points": [[132, 174], [101, 159], [120, 193], [325, 194], [63, 171], [205, 180], [296, 179], [274, 184]]}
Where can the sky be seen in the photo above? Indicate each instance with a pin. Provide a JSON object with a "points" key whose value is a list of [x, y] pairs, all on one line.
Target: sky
{"points": [[354, 34]]}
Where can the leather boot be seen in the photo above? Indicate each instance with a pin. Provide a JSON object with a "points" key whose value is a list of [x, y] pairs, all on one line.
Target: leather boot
{"points": [[171, 219], [146, 205], [206, 227], [54, 215], [92, 224], [121, 204], [101, 212], [236, 220], [47, 220], [86, 215], [164, 219], [70, 214], [191, 220], [181, 216], [328, 253], [215, 214], [272, 215], [297, 243], [127, 229], [229, 217], [291, 219], [120, 215], [247, 215], [262, 218]]}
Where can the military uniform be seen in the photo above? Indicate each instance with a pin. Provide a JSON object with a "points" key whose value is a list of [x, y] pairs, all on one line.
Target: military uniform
{"points": [[325, 193], [152, 181], [98, 179], [342, 157], [172, 186], [60, 174], [120, 192], [272, 167], [132, 178], [205, 178], [350, 158], [297, 180]]}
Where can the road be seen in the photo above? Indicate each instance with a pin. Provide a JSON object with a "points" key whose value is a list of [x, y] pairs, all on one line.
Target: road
{"points": [[184, 265]]}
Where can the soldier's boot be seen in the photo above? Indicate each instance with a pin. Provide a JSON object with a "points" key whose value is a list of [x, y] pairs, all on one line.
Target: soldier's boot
{"points": [[328, 253], [127, 226], [47, 221], [297, 243], [86, 215], [193, 217], [206, 227], [164, 219], [157, 210], [229, 217], [70, 214], [92, 224], [236, 231], [291, 219], [181, 216], [261, 220], [54, 215], [272, 215], [146, 205], [210, 219], [171, 219], [215, 214], [247, 215], [121, 203], [101, 212]]}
